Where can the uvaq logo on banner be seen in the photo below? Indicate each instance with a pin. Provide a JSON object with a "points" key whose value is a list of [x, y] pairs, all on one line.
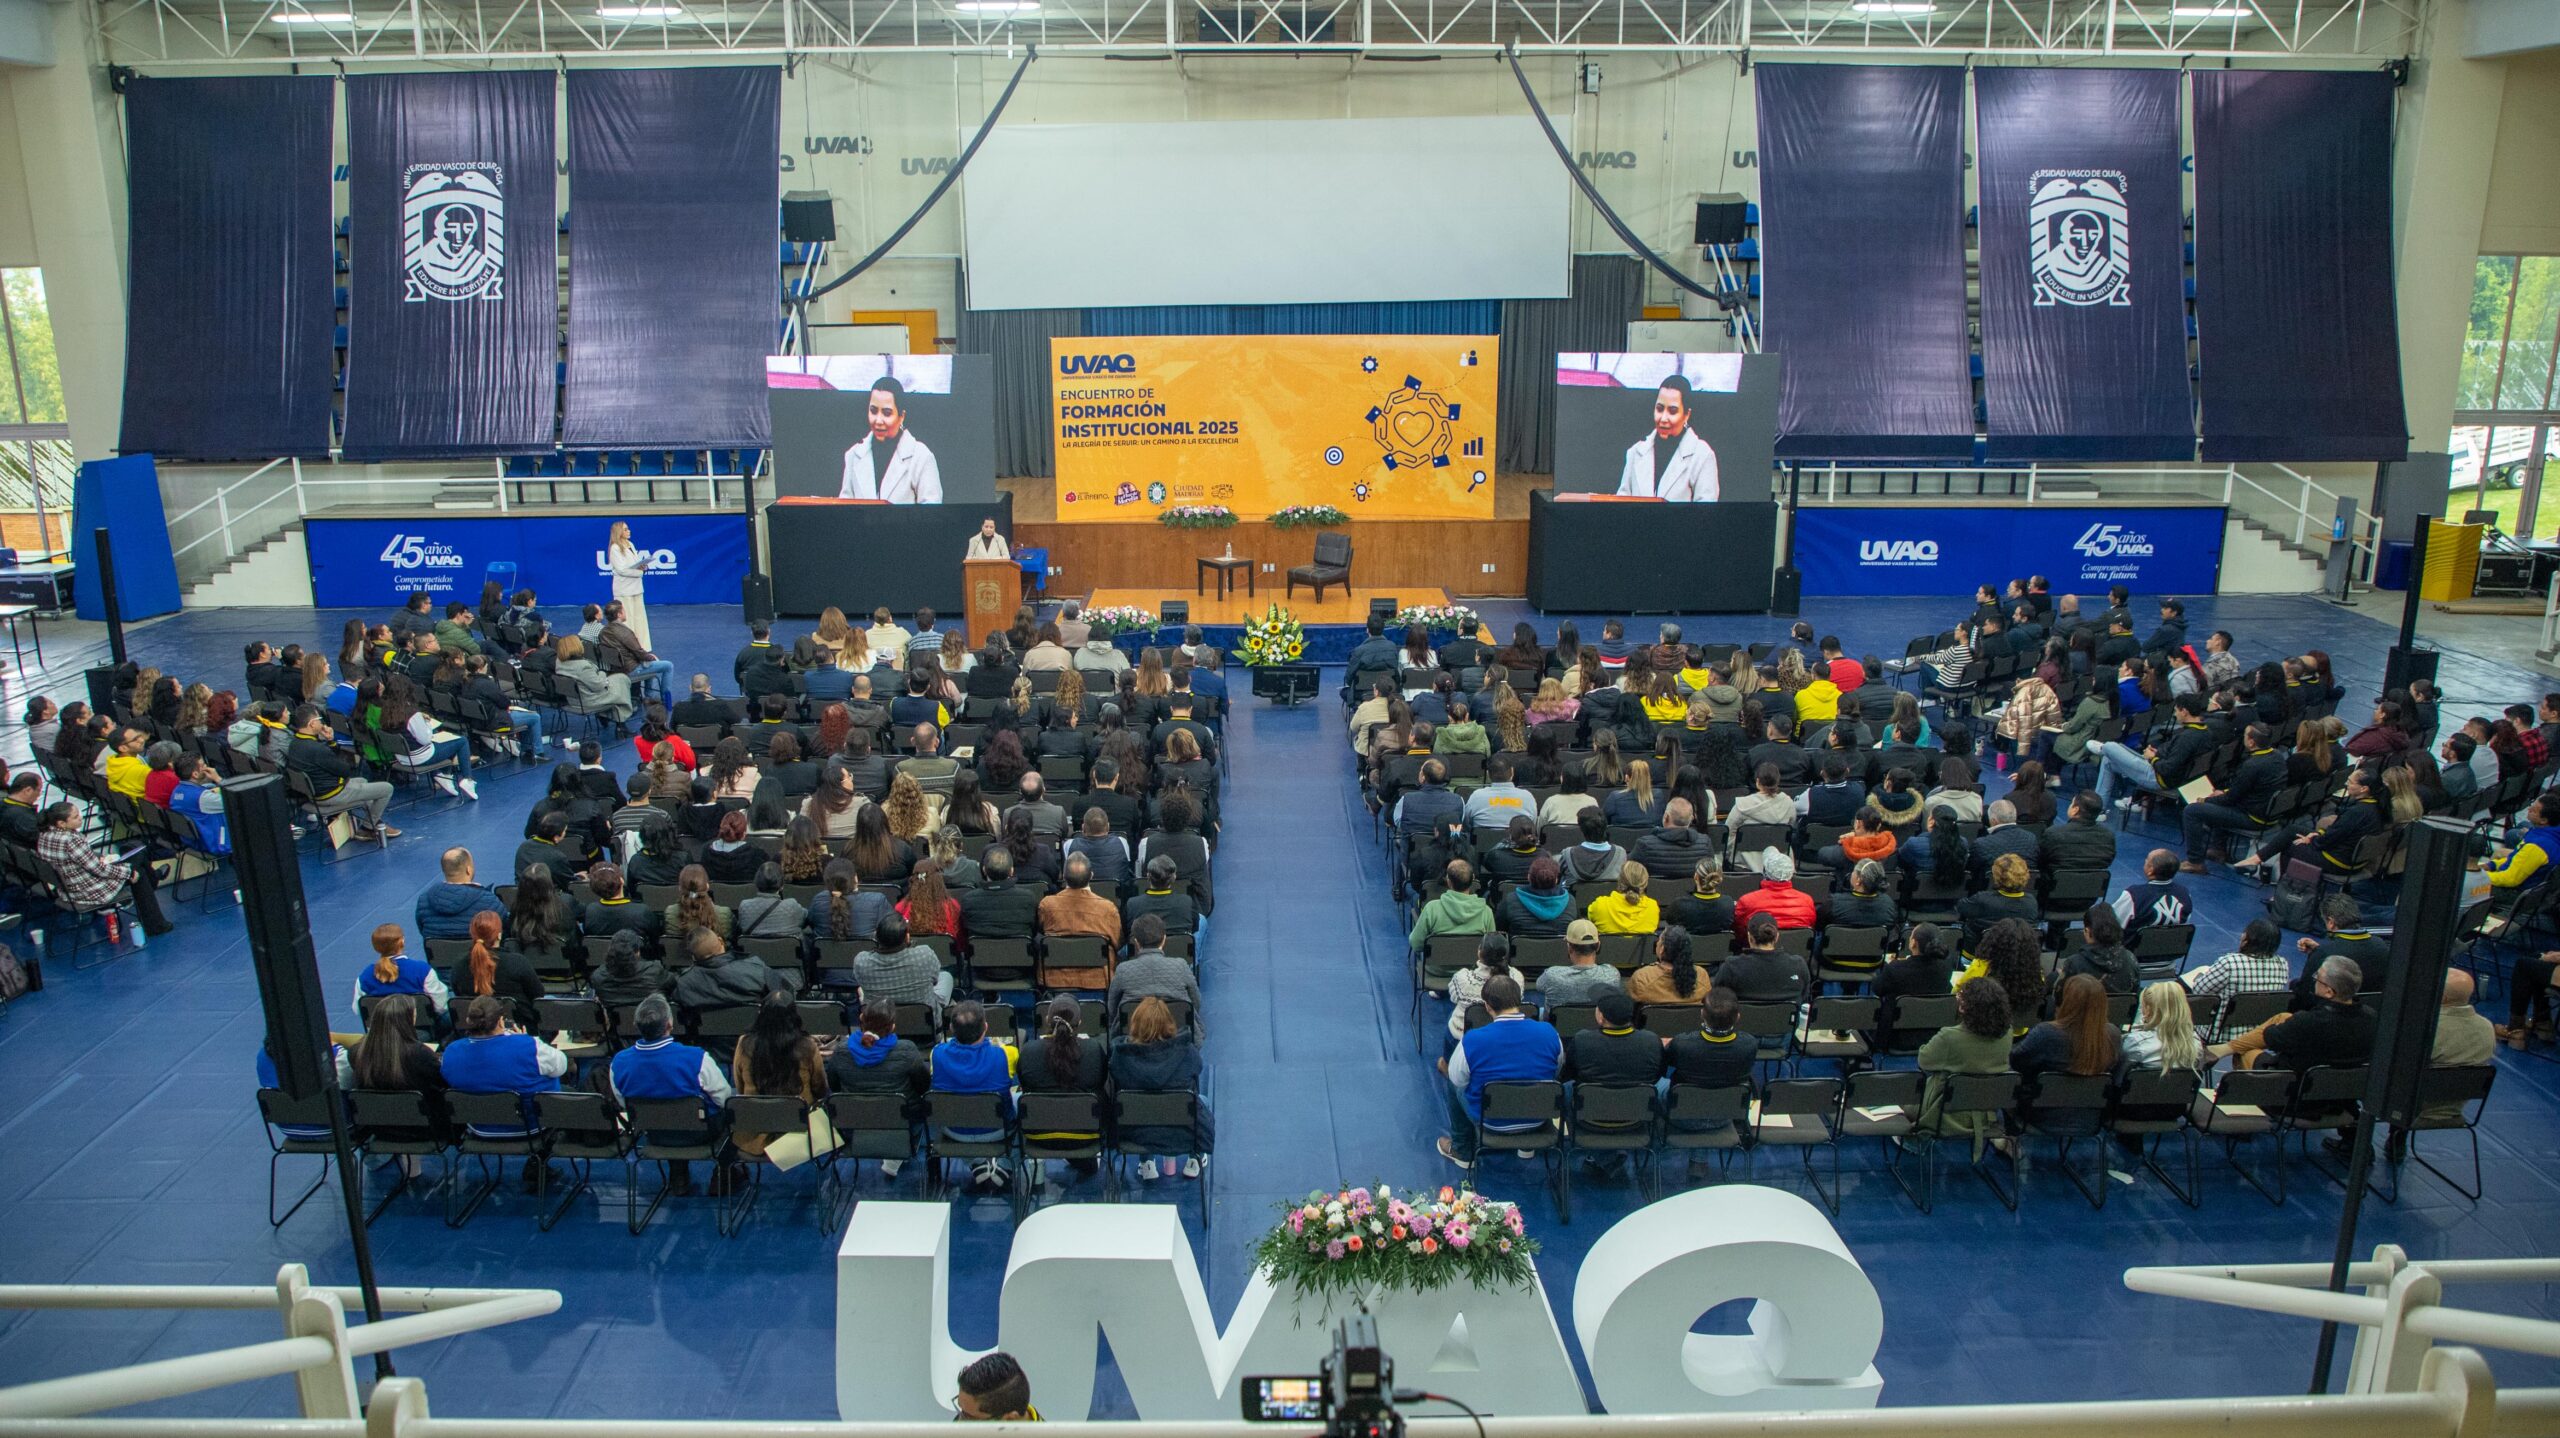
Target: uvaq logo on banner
{"points": [[453, 231], [2079, 246], [371, 563], [1908, 551], [1127, 1272]]}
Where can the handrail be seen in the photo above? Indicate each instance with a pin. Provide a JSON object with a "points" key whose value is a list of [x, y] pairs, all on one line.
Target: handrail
{"points": [[191, 511]]}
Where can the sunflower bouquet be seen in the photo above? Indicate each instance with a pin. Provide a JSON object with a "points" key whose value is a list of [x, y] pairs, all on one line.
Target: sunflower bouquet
{"points": [[1275, 638]]}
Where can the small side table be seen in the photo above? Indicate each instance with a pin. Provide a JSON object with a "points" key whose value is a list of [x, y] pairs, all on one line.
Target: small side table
{"points": [[1226, 566], [10, 614]]}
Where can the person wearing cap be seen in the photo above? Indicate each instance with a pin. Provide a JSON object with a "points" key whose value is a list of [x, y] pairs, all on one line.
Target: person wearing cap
{"points": [[1581, 978], [2172, 633], [1777, 896]]}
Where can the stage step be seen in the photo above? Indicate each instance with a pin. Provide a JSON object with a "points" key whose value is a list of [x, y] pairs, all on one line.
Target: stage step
{"points": [[274, 571]]}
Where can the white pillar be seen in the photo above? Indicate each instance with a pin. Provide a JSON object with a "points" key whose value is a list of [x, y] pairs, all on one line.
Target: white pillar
{"points": [[74, 167], [2448, 136]]}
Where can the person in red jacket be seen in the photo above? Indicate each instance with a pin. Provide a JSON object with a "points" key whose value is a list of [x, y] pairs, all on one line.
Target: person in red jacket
{"points": [[1777, 896]]}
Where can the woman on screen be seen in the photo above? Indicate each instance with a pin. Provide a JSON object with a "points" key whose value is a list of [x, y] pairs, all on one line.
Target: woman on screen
{"points": [[1672, 462], [889, 463]]}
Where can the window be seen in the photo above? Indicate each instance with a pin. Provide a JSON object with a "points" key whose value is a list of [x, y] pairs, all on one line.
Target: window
{"points": [[31, 382], [2507, 425]]}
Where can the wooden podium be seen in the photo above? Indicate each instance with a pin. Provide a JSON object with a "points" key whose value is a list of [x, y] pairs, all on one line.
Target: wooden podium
{"points": [[991, 590]]}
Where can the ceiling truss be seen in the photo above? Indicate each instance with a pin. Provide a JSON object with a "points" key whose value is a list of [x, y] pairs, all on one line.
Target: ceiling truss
{"points": [[275, 33]]}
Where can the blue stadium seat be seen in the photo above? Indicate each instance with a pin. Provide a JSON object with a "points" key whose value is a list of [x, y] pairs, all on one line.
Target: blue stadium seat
{"points": [[1752, 286], [585, 464], [748, 459], [2191, 326], [1981, 450], [341, 261], [1974, 363], [523, 466], [560, 373], [684, 461], [1749, 249], [554, 465], [617, 464], [2191, 252], [340, 337], [339, 297], [2191, 287], [1750, 212], [649, 462]]}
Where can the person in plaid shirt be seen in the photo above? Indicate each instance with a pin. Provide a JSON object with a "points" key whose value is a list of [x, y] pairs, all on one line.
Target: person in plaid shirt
{"points": [[2535, 745], [2255, 968], [91, 882]]}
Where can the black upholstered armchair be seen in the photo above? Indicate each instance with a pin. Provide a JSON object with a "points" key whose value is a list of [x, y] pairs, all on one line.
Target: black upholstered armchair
{"points": [[1332, 566]]}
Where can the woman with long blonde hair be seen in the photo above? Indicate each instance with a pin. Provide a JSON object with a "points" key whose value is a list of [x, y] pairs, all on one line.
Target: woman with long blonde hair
{"points": [[1511, 720], [2163, 1035], [629, 565], [910, 816]]}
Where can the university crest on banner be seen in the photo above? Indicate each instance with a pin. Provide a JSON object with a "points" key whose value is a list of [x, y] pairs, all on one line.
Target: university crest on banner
{"points": [[453, 237], [2079, 247]]}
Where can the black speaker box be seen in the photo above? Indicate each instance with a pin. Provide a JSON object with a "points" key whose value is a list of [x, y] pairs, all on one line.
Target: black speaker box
{"points": [[1720, 220], [809, 217], [1173, 612], [260, 812], [758, 595]]}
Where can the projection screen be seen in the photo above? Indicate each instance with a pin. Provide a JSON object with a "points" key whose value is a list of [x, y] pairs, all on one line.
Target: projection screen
{"points": [[1266, 212]]}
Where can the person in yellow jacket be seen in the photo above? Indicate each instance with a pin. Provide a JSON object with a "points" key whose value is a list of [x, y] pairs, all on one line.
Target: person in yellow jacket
{"points": [[1628, 909]]}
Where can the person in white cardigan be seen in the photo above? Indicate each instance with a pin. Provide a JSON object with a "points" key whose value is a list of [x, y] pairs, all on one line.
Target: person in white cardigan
{"points": [[629, 564]]}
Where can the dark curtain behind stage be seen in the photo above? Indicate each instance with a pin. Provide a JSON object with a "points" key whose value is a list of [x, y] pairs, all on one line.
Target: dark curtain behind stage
{"points": [[228, 321], [1863, 283], [2297, 335], [672, 298], [455, 267], [1018, 341], [2084, 347], [1608, 295]]}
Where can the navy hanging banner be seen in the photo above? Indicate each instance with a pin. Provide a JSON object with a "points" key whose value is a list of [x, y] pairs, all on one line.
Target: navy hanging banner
{"points": [[2295, 325], [2084, 350], [1862, 239], [673, 304], [227, 328], [455, 291]]}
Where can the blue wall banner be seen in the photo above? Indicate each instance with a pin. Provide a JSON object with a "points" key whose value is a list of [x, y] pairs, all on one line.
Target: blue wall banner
{"points": [[454, 288], [379, 563], [672, 302], [2295, 326], [2084, 351], [1862, 226], [229, 267], [1949, 551]]}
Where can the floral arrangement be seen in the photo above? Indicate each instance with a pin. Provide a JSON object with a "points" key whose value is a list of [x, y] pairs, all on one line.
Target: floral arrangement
{"points": [[1357, 1241], [1198, 516], [1308, 516], [1118, 619], [1275, 638], [1451, 618]]}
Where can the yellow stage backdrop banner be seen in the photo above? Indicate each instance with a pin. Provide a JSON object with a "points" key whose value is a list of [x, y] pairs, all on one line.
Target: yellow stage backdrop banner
{"points": [[1380, 426]]}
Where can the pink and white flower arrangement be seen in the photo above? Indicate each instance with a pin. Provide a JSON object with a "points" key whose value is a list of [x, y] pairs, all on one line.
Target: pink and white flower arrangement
{"points": [[1438, 618], [1113, 619], [1363, 1240], [1197, 516]]}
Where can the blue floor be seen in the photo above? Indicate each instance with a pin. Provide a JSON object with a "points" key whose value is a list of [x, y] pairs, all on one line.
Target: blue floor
{"points": [[130, 1151]]}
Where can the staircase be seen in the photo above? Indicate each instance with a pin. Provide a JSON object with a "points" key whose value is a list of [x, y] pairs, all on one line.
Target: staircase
{"points": [[2278, 538], [275, 571]]}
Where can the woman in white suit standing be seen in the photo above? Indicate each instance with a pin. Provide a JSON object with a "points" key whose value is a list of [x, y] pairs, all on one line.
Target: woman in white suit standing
{"points": [[629, 565]]}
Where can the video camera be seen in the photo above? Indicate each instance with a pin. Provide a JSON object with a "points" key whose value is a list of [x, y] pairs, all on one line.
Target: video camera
{"points": [[1353, 1395]]}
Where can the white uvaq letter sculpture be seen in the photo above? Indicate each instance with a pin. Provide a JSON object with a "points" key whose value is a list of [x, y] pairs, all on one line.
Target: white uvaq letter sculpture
{"points": [[1814, 1331], [1128, 1272]]}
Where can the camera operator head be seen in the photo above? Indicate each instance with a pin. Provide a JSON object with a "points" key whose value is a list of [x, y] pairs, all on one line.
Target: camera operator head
{"points": [[994, 1390]]}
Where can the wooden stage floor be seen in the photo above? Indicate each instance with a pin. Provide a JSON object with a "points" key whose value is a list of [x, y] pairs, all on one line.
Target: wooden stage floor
{"points": [[1341, 606]]}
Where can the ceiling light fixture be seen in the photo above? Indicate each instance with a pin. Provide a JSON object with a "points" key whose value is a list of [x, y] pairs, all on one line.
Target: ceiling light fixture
{"points": [[639, 12], [1896, 7], [2210, 12], [313, 17], [997, 7]]}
